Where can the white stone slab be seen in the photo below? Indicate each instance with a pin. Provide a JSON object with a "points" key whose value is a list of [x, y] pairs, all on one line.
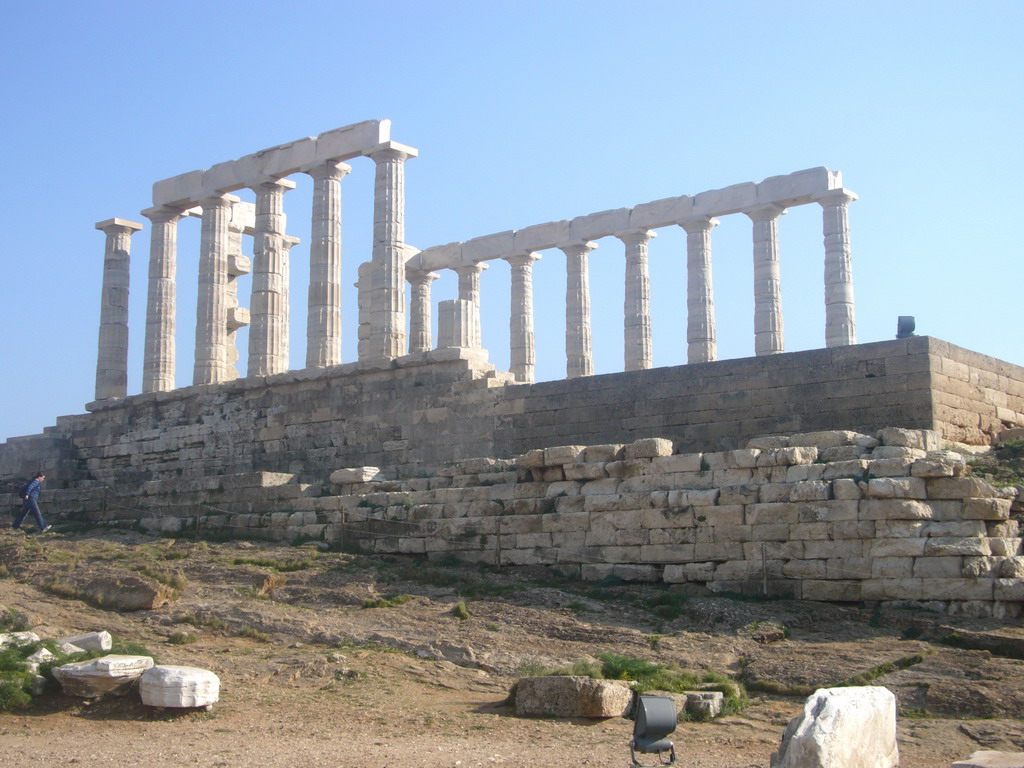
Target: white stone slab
{"points": [[91, 641], [719, 202], [990, 758], [350, 141], [487, 247], [661, 213], [174, 686], [356, 475], [438, 257], [799, 187], [114, 673], [8, 639]]}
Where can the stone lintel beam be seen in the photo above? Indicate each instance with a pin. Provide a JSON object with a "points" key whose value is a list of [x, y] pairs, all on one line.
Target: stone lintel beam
{"points": [[274, 162]]}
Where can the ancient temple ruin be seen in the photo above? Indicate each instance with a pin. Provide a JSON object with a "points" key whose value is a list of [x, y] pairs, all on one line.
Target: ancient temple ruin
{"points": [[820, 474], [393, 265]]}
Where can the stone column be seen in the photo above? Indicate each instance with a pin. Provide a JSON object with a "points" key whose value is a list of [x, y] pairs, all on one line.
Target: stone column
{"points": [[768, 334], [268, 333], [578, 350], [523, 358], [158, 359], [469, 290], [419, 314], [323, 326], [211, 304], [112, 357], [387, 278], [637, 305], [840, 323], [701, 346]]}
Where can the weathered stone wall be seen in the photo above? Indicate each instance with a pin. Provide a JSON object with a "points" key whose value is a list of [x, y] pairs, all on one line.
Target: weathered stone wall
{"points": [[428, 409], [834, 515]]}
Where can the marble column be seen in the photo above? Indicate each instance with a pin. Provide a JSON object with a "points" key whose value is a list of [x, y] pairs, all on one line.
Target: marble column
{"points": [[211, 303], [112, 357], [268, 332], [419, 312], [637, 306], [522, 358], [323, 326], [237, 315], [768, 331], [159, 355], [579, 359], [469, 290], [701, 346], [840, 322], [387, 279]]}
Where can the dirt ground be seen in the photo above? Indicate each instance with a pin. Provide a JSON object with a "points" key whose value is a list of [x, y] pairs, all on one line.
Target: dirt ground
{"points": [[311, 677]]}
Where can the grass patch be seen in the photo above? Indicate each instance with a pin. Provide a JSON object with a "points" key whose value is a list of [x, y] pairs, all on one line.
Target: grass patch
{"points": [[13, 621], [666, 605], [181, 637], [387, 602], [278, 564], [460, 611]]}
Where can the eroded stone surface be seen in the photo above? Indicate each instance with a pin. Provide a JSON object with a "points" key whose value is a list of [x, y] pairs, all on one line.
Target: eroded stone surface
{"points": [[572, 696], [177, 686], [114, 673]]}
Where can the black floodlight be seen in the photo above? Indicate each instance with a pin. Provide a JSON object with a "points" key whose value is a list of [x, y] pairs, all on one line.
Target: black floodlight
{"points": [[655, 719], [905, 326]]}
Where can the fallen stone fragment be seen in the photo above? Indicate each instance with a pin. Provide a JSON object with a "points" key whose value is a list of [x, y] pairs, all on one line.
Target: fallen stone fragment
{"points": [[8, 639], [173, 686], [842, 728], [572, 696], [990, 758], [705, 705], [90, 641], [113, 673]]}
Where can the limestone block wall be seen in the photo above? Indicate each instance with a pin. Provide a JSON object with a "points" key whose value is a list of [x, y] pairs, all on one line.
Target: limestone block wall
{"points": [[833, 516], [419, 412]]}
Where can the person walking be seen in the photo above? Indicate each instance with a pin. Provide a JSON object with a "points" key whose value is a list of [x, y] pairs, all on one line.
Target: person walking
{"points": [[30, 503]]}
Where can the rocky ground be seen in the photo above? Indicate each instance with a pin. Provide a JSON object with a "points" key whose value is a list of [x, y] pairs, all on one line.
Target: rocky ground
{"points": [[312, 677]]}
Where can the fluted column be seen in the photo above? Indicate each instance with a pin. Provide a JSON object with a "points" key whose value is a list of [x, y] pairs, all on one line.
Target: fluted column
{"points": [[268, 310], [840, 322], [579, 359], [159, 355], [469, 290], [701, 346], [387, 278], [523, 358], [419, 312], [112, 355], [637, 306], [323, 326], [211, 304], [768, 331]]}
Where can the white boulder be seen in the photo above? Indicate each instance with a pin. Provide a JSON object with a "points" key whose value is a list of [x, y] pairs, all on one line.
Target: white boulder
{"points": [[356, 475], [842, 728], [990, 758], [8, 639], [113, 673], [170, 686], [572, 696]]}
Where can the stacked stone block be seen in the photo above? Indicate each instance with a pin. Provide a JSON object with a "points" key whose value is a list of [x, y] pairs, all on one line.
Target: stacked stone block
{"points": [[835, 516]]}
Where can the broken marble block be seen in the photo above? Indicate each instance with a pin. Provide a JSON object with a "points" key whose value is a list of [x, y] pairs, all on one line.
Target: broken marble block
{"points": [[91, 641], [113, 673], [842, 728], [990, 758], [705, 705], [8, 639], [572, 696], [170, 686]]}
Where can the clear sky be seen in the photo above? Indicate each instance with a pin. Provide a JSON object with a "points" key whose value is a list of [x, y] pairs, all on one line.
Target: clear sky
{"points": [[523, 112]]}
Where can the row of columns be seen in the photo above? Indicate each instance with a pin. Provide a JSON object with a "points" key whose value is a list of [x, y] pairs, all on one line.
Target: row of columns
{"points": [[218, 316], [382, 287], [840, 326]]}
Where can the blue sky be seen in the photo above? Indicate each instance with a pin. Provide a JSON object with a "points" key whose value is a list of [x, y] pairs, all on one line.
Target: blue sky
{"points": [[523, 112]]}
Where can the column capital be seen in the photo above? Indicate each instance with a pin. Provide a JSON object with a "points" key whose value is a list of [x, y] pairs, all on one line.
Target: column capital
{"points": [[332, 170], [577, 246], [469, 269], [522, 259], [766, 212], [636, 236], [835, 197], [219, 200], [271, 184], [163, 214], [698, 224], [390, 150], [114, 226], [420, 276]]}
